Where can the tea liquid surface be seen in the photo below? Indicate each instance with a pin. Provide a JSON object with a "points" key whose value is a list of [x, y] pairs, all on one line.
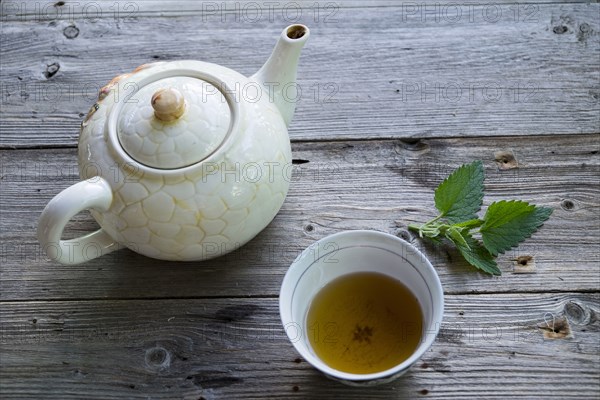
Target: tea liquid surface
{"points": [[364, 323]]}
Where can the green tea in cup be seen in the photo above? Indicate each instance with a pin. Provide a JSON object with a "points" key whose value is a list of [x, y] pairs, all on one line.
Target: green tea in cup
{"points": [[364, 322]]}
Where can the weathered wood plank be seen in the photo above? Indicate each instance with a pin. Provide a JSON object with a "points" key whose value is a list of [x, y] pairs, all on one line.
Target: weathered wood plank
{"points": [[381, 185], [401, 77], [490, 346], [255, 10]]}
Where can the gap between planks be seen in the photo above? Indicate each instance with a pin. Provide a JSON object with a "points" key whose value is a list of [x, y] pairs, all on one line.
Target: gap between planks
{"points": [[573, 136], [274, 296]]}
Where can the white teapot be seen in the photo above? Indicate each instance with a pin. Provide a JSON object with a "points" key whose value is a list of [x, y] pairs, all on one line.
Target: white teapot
{"points": [[181, 160]]}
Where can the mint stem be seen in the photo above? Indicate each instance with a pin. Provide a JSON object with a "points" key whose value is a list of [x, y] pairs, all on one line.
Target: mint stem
{"points": [[414, 227], [419, 228], [431, 229]]}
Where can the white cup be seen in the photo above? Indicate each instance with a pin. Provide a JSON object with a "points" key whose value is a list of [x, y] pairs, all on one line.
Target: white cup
{"points": [[359, 251]]}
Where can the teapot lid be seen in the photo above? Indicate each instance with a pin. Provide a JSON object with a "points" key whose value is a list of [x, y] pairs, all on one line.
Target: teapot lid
{"points": [[173, 122]]}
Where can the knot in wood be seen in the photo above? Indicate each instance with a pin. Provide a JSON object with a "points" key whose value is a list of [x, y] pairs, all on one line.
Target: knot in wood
{"points": [[71, 32], [412, 144], [51, 70], [158, 358], [560, 29], [584, 28], [576, 313], [567, 205]]}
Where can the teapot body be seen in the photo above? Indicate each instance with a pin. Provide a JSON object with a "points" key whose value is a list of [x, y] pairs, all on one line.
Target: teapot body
{"points": [[182, 160], [203, 210]]}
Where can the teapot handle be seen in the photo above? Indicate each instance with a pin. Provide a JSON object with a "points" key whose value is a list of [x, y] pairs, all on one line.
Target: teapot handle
{"points": [[92, 193]]}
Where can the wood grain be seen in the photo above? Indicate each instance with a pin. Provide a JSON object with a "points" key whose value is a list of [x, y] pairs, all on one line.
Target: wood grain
{"points": [[395, 96], [380, 185], [490, 346], [404, 76], [69, 10]]}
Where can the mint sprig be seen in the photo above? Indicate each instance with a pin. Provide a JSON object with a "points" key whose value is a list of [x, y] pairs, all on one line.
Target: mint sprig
{"points": [[505, 224]]}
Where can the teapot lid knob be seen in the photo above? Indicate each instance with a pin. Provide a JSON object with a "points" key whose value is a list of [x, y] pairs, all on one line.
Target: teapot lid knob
{"points": [[168, 104]]}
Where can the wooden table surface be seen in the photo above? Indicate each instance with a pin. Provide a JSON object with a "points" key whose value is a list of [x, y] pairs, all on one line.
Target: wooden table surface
{"points": [[395, 95]]}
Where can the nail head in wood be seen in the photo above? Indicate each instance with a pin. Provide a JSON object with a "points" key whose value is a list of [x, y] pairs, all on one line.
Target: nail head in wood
{"points": [[524, 265], [505, 160]]}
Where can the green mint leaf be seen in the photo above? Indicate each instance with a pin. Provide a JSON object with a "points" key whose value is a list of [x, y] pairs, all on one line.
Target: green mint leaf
{"points": [[507, 223], [459, 197], [455, 235], [476, 254]]}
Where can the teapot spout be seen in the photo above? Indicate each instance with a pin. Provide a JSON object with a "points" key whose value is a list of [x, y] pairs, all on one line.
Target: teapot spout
{"points": [[278, 75]]}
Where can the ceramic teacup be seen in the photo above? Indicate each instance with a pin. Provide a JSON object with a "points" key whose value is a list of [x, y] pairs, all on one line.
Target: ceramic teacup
{"points": [[351, 252]]}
